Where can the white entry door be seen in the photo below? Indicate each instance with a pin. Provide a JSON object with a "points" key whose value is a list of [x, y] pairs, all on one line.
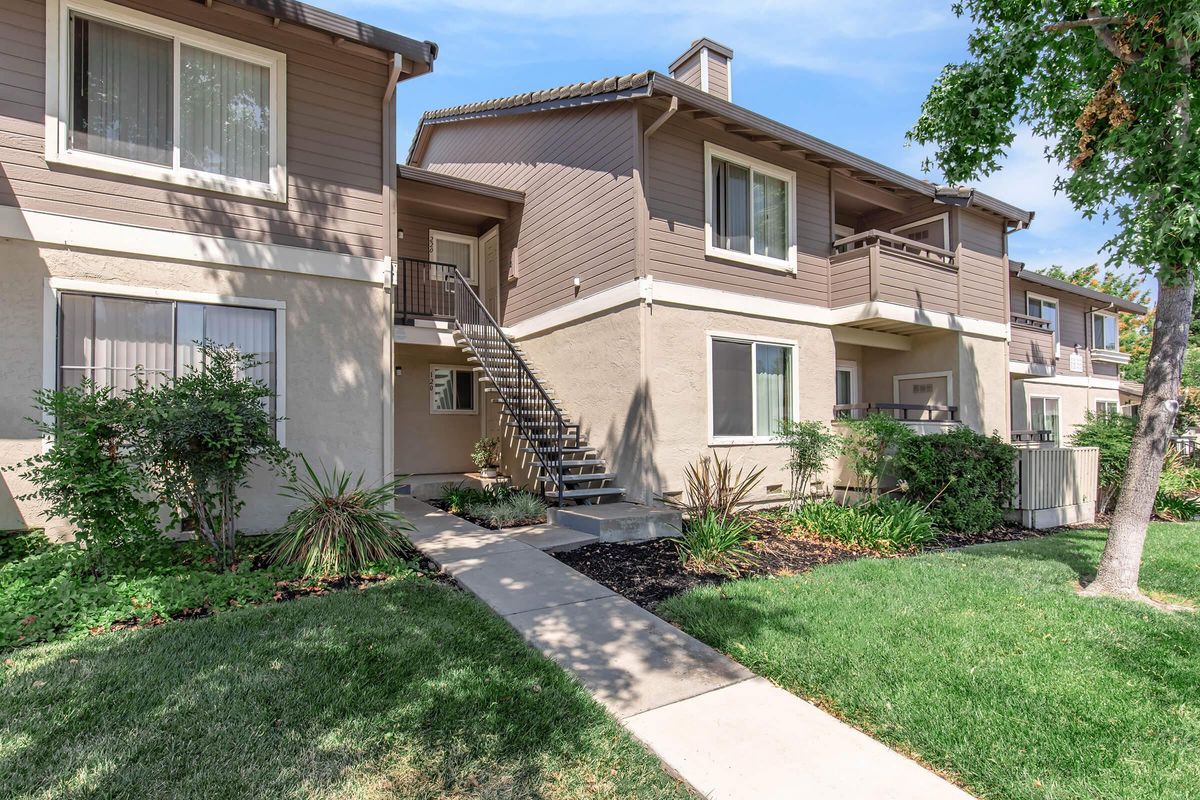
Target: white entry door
{"points": [[489, 269]]}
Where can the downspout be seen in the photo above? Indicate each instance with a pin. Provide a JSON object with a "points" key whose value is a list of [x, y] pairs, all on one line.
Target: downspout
{"points": [[643, 225], [388, 191]]}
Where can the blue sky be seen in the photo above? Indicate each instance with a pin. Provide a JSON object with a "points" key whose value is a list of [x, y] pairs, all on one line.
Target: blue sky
{"points": [[852, 72]]}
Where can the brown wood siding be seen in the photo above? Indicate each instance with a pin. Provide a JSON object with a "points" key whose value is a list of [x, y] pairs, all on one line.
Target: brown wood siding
{"points": [[850, 278], [1073, 313], [334, 142], [576, 168], [676, 230], [689, 71], [917, 283], [718, 76]]}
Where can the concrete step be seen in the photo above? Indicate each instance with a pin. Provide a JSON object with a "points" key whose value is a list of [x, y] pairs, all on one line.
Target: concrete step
{"points": [[580, 463], [619, 522]]}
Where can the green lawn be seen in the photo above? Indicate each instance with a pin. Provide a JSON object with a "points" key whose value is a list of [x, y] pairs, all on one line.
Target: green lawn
{"points": [[407, 689], [986, 664]]}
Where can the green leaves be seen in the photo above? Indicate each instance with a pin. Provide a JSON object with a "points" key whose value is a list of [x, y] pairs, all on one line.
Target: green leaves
{"points": [[964, 478]]}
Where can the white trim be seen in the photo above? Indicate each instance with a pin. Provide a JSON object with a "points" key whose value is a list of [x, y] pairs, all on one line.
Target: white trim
{"points": [[58, 229], [852, 368], [56, 286], [472, 243], [422, 335], [1109, 400], [474, 410], [1081, 381], [704, 69], [1029, 412], [787, 264], [1116, 328], [752, 339], [947, 374], [728, 79], [1042, 298], [58, 93], [944, 217], [1110, 356], [649, 290], [1024, 368]]}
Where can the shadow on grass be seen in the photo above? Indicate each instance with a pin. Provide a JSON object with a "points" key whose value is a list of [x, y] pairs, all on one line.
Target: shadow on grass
{"points": [[408, 690]]}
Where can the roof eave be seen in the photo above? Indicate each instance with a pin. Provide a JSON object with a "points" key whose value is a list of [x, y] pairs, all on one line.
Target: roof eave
{"points": [[1040, 279]]}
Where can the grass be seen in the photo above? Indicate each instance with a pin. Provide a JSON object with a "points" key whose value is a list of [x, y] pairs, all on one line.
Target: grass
{"points": [[406, 689], [986, 664]]}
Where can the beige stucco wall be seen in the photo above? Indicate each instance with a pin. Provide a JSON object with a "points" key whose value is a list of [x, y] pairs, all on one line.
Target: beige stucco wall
{"points": [[677, 403], [426, 442], [982, 384], [930, 352], [337, 340], [1073, 402]]}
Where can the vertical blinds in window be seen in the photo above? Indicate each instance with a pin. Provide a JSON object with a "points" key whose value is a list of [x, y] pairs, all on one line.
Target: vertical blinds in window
{"points": [[224, 115], [122, 102]]}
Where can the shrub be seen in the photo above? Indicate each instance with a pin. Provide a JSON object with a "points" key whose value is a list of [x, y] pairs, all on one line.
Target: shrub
{"points": [[712, 485], [809, 445], [1175, 507], [340, 527], [884, 525], [1113, 435], [516, 508], [201, 434], [964, 478], [869, 444], [715, 543], [88, 477], [486, 452], [1179, 475]]}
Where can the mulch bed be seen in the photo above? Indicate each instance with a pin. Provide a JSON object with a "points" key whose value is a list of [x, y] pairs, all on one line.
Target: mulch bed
{"points": [[649, 572]]}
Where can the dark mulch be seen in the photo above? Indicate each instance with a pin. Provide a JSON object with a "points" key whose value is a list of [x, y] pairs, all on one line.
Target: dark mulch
{"points": [[649, 572]]}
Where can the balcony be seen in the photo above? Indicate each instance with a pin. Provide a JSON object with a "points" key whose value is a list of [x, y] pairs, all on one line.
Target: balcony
{"points": [[927, 418], [423, 290], [875, 266], [1032, 350]]}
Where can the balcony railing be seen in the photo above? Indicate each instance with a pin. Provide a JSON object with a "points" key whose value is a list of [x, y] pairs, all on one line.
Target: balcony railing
{"points": [[423, 289], [1032, 341], [905, 412], [878, 266], [1031, 438]]}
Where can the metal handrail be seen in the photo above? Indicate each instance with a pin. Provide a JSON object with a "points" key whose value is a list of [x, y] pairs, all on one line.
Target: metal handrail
{"points": [[903, 408], [481, 330], [423, 289], [1032, 322]]}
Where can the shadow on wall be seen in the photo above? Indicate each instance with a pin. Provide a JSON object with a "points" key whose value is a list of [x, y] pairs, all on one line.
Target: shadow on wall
{"points": [[631, 448]]}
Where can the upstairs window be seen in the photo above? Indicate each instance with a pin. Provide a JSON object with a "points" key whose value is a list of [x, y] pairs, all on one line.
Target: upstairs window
{"points": [[1044, 308], [1104, 332], [153, 99], [750, 210]]}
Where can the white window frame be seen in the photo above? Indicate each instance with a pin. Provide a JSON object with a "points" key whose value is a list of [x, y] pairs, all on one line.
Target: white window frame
{"points": [[1044, 397], [945, 218], [754, 165], [455, 412], [58, 94], [743, 338], [55, 287], [850, 367], [947, 374], [1102, 401], [1057, 317], [471, 241], [1116, 328]]}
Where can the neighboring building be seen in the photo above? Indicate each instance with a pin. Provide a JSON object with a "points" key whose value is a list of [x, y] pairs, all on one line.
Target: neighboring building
{"points": [[1066, 353], [176, 170], [686, 272]]}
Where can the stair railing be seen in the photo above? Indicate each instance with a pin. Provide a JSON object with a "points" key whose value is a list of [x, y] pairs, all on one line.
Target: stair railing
{"points": [[521, 393]]}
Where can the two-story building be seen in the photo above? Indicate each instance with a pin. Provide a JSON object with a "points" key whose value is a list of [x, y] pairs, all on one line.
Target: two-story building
{"points": [[685, 273], [174, 171]]}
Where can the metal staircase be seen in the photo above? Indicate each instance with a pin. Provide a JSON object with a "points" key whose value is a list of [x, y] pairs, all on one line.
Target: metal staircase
{"points": [[568, 469]]}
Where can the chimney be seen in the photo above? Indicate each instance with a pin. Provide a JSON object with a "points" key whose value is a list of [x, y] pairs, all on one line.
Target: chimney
{"points": [[705, 65]]}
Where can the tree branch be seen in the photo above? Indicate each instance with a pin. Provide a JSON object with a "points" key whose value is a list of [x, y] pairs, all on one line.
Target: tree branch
{"points": [[1100, 25]]}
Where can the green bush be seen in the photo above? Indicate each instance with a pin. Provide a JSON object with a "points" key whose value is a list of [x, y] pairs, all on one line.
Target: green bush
{"points": [[201, 432], [88, 477], [340, 527], [1175, 507], [884, 525], [1113, 435], [710, 484], [810, 445], [965, 478], [713, 543], [869, 445], [498, 505]]}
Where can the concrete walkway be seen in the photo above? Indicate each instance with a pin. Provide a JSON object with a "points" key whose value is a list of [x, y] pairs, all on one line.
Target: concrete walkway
{"points": [[719, 727]]}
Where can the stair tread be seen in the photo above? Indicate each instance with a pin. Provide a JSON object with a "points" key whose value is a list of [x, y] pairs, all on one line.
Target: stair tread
{"points": [[573, 494], [580, 478]]}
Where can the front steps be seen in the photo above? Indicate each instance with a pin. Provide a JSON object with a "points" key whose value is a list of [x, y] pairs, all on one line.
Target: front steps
{"points": [[523, 394], [619, 522]]}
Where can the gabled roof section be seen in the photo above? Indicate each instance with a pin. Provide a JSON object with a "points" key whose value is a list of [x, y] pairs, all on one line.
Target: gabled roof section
{"points": [[1121, 304], [738, 120], [297, 13], [461, 184]]}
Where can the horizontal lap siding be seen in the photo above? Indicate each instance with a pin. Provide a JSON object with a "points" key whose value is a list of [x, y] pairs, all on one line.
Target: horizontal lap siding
{"points": [[576, 169], [718, 75], [981, 264], [1072, 322], [850, 281], [913, 283], [676, 231], [334, 142]]}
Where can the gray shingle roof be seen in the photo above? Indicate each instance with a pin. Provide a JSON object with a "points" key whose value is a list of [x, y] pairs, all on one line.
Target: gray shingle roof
{"points": [[615, 83]]}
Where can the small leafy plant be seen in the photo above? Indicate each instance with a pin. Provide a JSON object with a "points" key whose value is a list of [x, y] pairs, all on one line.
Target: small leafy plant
{"points": [[497, 506], [1176, 507], [486, 453], [713, 543], [883, 525], [810, 445], [869, 445], [340, 526], [712, 485]]}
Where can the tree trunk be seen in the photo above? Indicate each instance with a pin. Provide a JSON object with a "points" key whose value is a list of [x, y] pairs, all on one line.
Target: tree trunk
{"points": [[1122, 559]]}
